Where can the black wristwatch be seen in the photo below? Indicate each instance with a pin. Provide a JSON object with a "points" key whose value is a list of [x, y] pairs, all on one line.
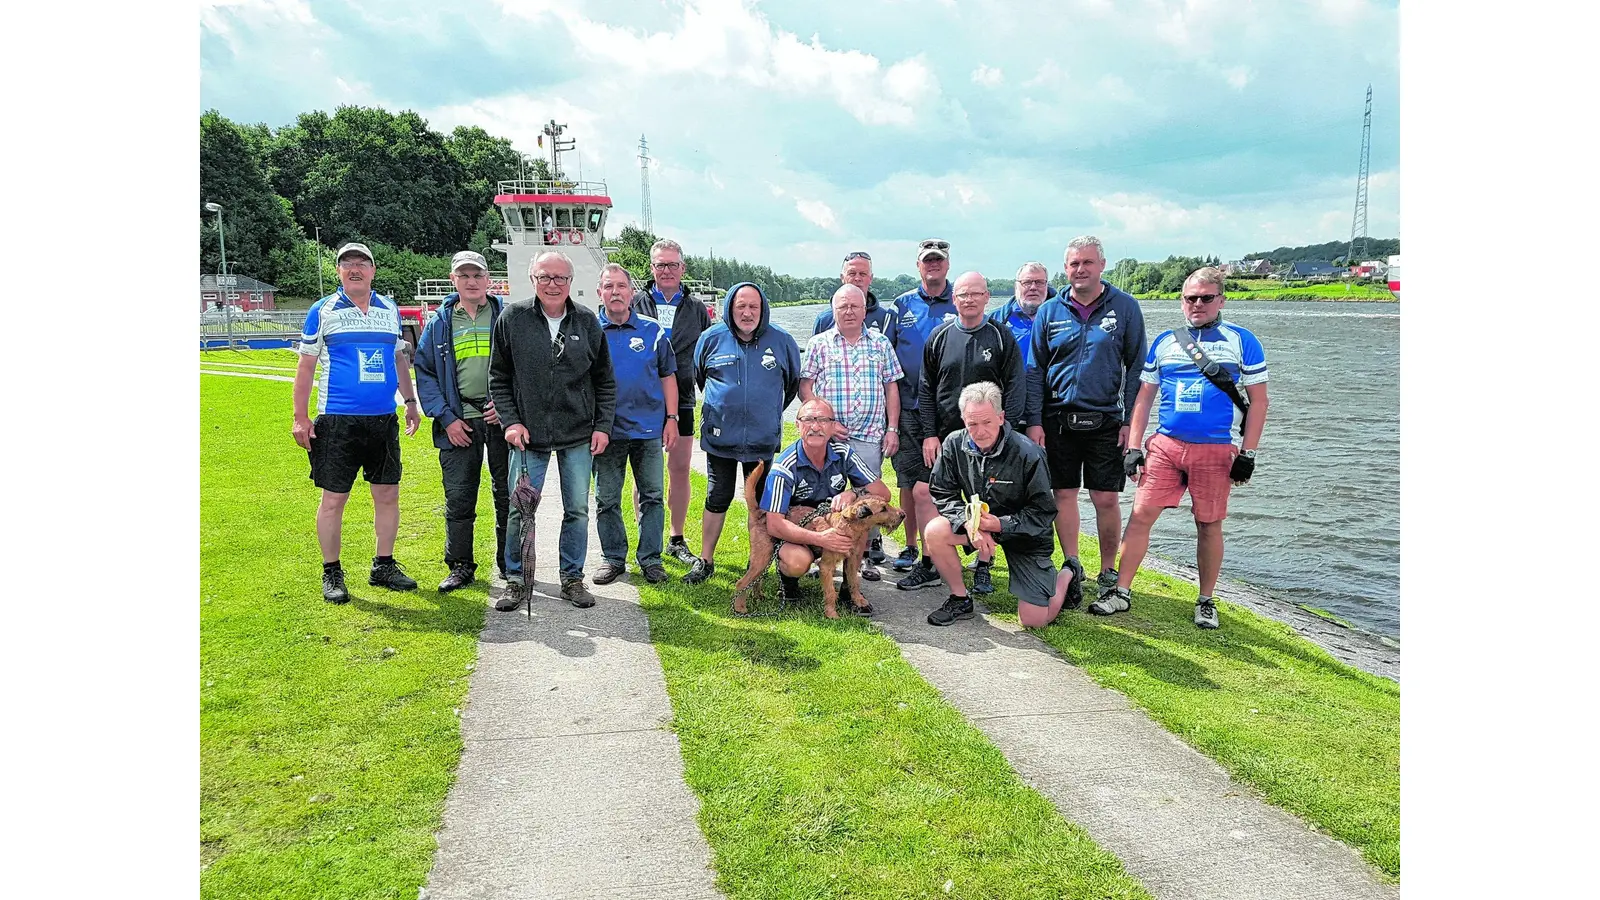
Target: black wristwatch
{"points": [[672, 417], [1248, 454]]}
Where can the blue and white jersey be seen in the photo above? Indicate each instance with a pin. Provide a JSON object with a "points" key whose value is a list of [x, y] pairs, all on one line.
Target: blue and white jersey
{"points": [[1192, 409], [357, 374], [666, 309], [794, 479], [641, 355]]}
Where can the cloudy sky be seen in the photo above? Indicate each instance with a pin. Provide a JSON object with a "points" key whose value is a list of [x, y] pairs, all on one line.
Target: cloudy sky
{"points": [[787, 133]]}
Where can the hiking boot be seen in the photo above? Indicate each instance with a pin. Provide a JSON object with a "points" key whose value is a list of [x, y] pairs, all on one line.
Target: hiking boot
{"points": [[1074, 587], [655, 573], [921, 576], [907, 558], [608, 572], [875, 553], [1107, 582], [512, 597], [461, 575], [954, 609], [333, 586], [573, 591], [1114, 602], [789, 593], [699, 571], [980, 580], [678, 549], [1205, 614], [390, 575], [869, 572]]}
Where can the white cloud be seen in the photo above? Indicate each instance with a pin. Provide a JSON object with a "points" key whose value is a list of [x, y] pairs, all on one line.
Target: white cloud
{"points": [[817, 213], [1145, 215], [1237, 77], [988, 76]]}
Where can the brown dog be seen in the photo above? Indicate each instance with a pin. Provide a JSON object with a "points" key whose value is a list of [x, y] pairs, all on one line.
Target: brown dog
{"points": [[857, 520]]}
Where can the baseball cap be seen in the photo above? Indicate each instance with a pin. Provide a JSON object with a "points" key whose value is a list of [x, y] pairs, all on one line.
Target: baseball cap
{"points": [[933, 248], [355, 248], [467, 258]]}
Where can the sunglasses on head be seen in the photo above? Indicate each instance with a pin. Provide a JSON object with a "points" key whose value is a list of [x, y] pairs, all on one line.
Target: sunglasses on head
{"points": [[934, 245], [858, 254]]}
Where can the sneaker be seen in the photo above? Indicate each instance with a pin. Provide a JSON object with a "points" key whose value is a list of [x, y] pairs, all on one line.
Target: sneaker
{"points": [[461, 575], [1075, 588], [1205, 614], [980, 580], [1107, 582], [869, 572], [699, 571], [678, 549], [875, 553], [789, 592], [607, 573], [573, 591], [655, 573], [907, 558], [391, 575], [921, 576], [1114, 602], [512, 597], [333, 589], [954, 609]]}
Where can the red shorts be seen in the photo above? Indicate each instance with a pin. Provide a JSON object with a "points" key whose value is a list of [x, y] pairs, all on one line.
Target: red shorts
{"points": [[1171, 466]]}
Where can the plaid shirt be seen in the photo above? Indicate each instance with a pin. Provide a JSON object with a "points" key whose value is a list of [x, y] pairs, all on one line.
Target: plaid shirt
{"points": [[851, 377]]}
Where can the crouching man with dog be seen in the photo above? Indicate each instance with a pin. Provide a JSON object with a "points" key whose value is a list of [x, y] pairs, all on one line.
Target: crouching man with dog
{"points": [[991, 488], [820, 502]]}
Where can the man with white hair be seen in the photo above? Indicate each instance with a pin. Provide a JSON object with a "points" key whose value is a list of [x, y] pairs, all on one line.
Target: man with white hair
{"points": [[551, 381], [992, 488]]}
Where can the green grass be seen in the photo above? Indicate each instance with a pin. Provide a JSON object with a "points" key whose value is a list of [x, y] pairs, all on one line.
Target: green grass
{"points": [[1274, 290], [324, 762]]}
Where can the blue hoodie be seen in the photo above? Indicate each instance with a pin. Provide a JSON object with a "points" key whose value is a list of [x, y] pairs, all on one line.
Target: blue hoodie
{"points": [[919, 316], [435, 368], [1021, 325], [1088, 366], [747, 384]]}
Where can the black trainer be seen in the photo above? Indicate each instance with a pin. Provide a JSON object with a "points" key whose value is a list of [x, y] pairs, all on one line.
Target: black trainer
{"points": [[789, 590], [678, 549], [1075, 587], [655, 573], [390, 575], [512, 597], [333, 589], [869, 572], [953, 610], [980, 580], [575, 592], [875, 553], [699, 571], [903, 563], [921, 576], [461, 575]]}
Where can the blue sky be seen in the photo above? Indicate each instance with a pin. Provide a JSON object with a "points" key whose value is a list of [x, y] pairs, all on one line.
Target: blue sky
{"points": [[789, 133]]}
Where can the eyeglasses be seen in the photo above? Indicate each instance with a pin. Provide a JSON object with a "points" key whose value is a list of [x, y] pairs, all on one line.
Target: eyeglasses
{"points": [[858, 254], [934, 245], [816, 420], [356, 262], [1033, 282], [666, 266], [1205, 299], [471, 275], [553, 279], [965, 294]]}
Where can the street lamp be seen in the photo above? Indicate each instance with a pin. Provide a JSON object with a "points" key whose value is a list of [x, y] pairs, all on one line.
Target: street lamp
{"points": [[222, 244]]}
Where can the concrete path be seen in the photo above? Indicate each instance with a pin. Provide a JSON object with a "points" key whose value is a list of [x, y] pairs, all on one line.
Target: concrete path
{"points": [[570, 784], [1176, 820]]}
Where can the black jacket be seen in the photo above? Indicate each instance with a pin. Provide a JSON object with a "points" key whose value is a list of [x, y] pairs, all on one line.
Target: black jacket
{"points": [[687, 324], [562, 399], [1012, 479], [954, 358]]}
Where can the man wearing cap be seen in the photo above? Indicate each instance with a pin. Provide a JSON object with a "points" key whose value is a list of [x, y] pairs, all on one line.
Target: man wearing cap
{"points": [[551, 381], [927, 306], [684, 319], [646, 420], [1088, 347], [352, 344], [453, 385]]}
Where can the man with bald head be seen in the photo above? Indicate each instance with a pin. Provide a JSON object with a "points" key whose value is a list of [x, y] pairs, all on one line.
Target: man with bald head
{"points": [[855, 370], [815, 468], [970, 349]]}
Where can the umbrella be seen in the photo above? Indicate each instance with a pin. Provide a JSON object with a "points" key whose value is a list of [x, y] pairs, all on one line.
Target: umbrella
{"points": [[525, 497]]}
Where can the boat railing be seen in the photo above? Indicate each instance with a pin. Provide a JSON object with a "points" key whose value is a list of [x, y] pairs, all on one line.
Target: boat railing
{"points": [[558, 186], [432, 290]]}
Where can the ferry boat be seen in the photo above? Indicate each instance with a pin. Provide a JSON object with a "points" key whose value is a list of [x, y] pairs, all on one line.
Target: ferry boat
{"points": [[1394, 276]]}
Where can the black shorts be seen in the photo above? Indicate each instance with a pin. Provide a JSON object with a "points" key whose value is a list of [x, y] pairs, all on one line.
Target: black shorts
{"points": [[685, 408], [907, 460], [345, 445], [722, 480], [1089, 459]]}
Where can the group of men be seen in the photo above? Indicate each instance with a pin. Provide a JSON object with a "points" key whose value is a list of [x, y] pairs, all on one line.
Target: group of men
{"points": [[993, 421]]}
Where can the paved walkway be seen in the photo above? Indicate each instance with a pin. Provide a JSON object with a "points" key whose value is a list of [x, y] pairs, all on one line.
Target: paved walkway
{"points": [[570, 783], [1176, 820]]}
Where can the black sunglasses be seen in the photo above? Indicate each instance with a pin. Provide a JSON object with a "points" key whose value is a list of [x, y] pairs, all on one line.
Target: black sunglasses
{"points": [[858, 254], [934, 245], [1206, 299]]}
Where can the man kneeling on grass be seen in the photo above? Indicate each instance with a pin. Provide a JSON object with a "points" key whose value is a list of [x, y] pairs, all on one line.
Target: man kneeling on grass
{"points": [[990, 463]]}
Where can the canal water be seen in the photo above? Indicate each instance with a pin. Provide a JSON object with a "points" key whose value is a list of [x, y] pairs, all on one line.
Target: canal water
{"points": [[1319, 524]]}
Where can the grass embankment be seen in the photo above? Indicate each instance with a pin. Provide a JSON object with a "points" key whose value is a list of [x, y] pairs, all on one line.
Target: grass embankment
{"points": [[324, 758], [1277, 290]]}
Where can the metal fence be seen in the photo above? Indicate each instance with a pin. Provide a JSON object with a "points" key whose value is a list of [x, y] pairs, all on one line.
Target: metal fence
{"points": [[256, 329]]}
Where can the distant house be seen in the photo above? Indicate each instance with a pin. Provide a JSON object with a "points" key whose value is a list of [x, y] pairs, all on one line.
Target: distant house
{"points": [[241, 291], [1314, 268], [1244, 268]]}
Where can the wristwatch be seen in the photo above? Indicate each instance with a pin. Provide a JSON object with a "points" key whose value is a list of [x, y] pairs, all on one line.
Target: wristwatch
{"points": [[672, 417], [1248, 454]]}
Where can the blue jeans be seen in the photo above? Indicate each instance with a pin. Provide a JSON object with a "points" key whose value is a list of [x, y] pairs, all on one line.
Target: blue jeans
{"points": [[609, 467], [574, 465]]}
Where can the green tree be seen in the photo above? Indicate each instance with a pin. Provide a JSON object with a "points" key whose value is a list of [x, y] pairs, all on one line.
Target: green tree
{"points": [[255, 221]]}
